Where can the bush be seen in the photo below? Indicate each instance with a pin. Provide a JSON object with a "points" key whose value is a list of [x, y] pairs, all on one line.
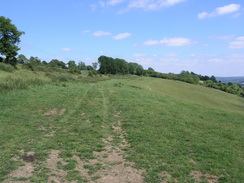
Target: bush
{"points": [[12, 83], [6, 67], [65, 78], [93, 73]]}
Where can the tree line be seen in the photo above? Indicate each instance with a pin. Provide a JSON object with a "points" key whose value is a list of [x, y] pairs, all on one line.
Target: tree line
{"points": [[35, 64]]}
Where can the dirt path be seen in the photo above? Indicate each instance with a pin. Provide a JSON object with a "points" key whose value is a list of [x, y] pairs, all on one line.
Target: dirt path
{"points": [[117, 170]]}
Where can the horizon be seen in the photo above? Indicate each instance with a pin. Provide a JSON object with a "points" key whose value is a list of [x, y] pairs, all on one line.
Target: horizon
{"points": [[206, 38]]}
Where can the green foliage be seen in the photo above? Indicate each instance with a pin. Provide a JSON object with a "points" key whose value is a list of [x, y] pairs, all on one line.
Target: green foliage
{"points": [[9, 38], [82, 66], [135, 68], [73, 68], [64, 78], [12, 83], [94, 65], [22, 59], [113, 66], [6, 67], [93, 73], [229, 88], [57, 63]]}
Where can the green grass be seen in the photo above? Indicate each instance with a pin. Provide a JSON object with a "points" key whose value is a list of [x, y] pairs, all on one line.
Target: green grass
{"points": [[172, 127]]}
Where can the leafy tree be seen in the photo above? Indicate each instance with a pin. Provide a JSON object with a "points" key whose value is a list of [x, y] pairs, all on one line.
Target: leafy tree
{"points": [[73, 68], [89, 68], [122, 66], [71, 63], [44, 62], [82, 66], [57, 63], [21, 59], [230, 83], [34, 60], [150, 69], [9, 39], [135, 68], [94, 65], [104, 64], [213, 78]]}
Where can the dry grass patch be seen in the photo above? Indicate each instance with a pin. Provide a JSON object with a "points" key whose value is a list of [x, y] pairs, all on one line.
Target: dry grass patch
{"points": [[200, 177], [54, 112]]}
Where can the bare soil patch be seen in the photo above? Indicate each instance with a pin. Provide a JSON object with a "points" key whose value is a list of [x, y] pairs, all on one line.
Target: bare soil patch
{"points": [[54, 112], [119, 171], [57, 175], [24, 171], [200, 177]]}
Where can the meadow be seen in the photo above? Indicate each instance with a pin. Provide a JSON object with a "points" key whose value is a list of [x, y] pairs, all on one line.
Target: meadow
{"points": [[72, 128]]}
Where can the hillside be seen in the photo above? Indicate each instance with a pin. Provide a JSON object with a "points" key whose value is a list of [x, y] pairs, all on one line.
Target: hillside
{"points": [[64, 128]]}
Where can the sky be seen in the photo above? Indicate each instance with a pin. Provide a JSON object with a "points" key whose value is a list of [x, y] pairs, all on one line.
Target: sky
{"points": [[202, 36]]}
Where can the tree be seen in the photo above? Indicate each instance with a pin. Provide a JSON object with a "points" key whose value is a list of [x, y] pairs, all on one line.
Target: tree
{"points": [[9, 39], [150, 69], [34, 60], [57, 63], [94, 65], [82, 66], [71, 63], [73, 68], [22, 59], [89, 68]]}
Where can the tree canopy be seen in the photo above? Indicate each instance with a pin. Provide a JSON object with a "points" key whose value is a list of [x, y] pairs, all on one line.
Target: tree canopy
{"points": [[9, 39], [110, 65]]}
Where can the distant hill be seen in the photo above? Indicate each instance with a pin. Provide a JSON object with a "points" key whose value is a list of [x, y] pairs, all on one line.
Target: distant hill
{"points": [[234, 80]]}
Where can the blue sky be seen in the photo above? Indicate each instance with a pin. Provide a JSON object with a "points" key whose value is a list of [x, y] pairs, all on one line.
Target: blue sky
{"points": [[203, 36]]}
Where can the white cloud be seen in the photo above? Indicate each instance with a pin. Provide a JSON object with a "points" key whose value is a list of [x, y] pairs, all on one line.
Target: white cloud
{"points": [[114, 2], [101, 33], [176, 41], [144, 61], [122, 35], [86, 31], [220, 11], [203, 15], [237, 43], [151, 42], [104, 4], [90, 60], [227, 9], [216, 60], [152, 4], [66, 49]]}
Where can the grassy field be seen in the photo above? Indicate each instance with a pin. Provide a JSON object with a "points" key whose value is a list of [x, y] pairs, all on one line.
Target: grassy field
{"points": [[150, 130]]}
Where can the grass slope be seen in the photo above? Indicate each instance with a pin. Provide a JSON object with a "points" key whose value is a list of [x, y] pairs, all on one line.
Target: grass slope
{"points": [[177, 131]]}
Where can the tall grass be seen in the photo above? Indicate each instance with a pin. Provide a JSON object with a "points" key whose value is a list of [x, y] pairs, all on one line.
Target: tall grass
{"points": [[15, 82], [6, 67]]}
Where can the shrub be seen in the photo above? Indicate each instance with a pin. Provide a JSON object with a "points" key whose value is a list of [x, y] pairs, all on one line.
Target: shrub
{"points": [[6, 67], [12, 83]]}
